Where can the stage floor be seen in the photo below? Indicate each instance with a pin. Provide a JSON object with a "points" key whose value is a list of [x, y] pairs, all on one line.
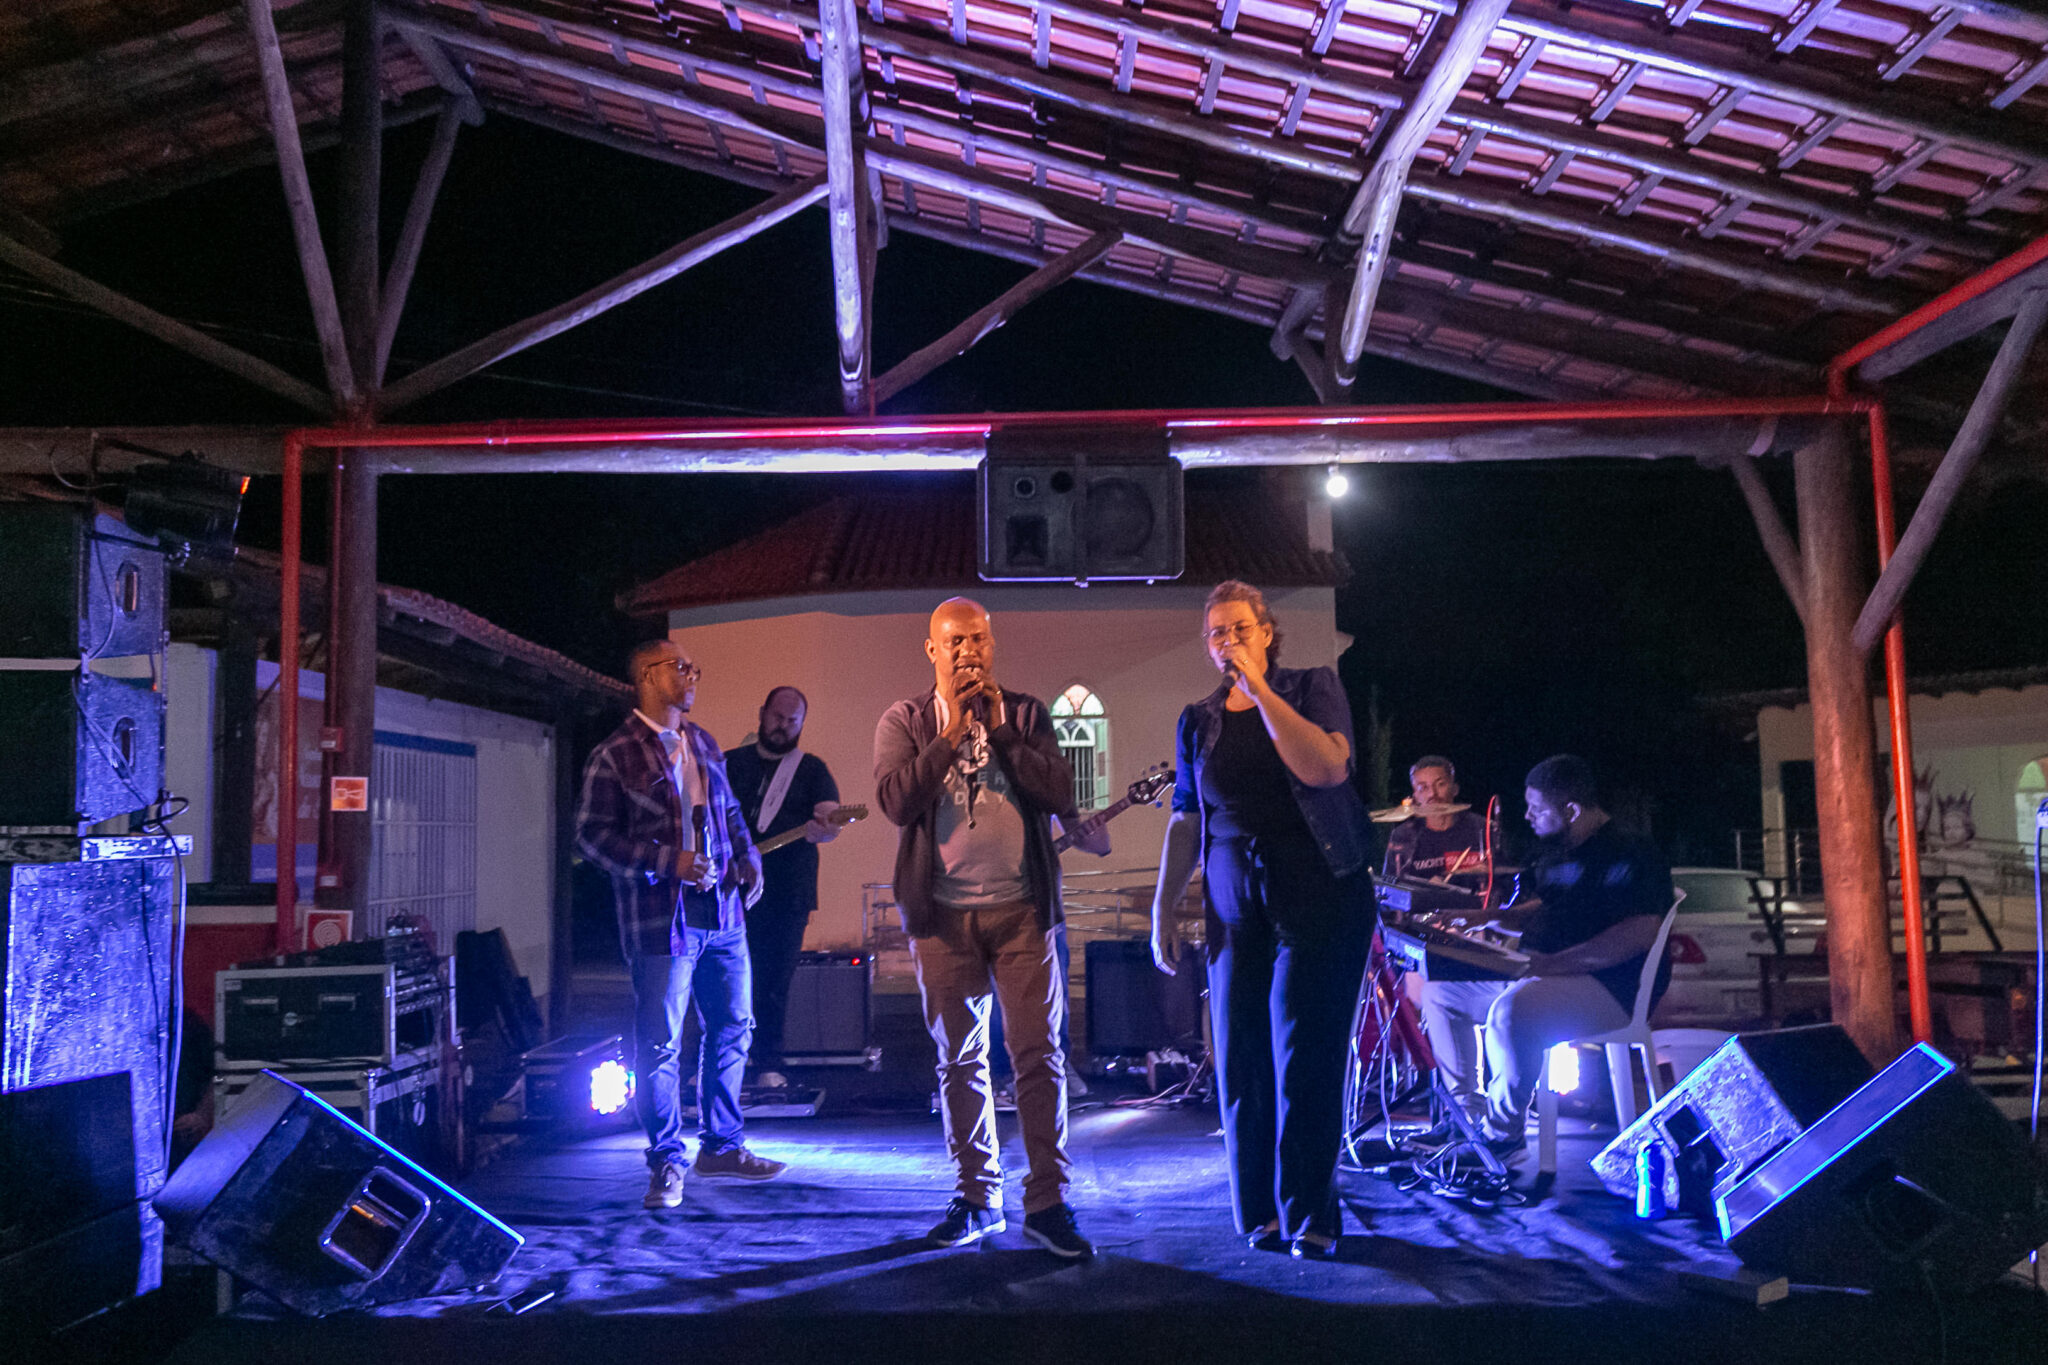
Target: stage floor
{"points": [[828, 1263]]}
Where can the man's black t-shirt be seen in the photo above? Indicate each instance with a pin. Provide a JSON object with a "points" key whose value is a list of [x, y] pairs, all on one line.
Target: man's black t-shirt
{"points": [[789, 875], [1416, 850], [1609, 878]]}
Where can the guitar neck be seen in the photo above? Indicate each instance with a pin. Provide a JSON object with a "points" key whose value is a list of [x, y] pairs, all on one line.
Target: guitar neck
{"points": [[782, 840], [1091, 824]]}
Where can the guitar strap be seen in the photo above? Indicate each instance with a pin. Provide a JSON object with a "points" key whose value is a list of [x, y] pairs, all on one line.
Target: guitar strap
{"points": [[778, 788]]}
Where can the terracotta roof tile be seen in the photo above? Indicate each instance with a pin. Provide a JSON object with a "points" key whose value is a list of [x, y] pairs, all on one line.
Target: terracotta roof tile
{"points": [[926, 539]]}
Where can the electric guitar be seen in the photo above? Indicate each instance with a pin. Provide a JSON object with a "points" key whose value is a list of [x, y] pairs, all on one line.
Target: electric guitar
{"points": [[845, 815], [1146, 791]]}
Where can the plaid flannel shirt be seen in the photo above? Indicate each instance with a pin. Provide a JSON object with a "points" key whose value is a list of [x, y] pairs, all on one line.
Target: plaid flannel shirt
{"points": [[631, 816]]}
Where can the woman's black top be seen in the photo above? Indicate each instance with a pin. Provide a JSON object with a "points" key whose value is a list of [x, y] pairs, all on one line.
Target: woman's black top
{"points": [[1244, 784]]}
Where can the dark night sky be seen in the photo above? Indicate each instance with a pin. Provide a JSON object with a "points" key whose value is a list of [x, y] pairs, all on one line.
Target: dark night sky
{"points": [[1503, 612]]}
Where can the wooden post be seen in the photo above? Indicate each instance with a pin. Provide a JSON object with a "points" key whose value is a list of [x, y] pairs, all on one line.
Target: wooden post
{"points": [[853, 227], [345, 873], [1844, 749], [1770, 526]]}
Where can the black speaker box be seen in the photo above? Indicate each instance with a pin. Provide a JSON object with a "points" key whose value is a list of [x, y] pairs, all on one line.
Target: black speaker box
{"points": [[67, 1155], [308, 1207], [1133, 1007], [1757, 1092], [829, 1005], [1916, 1181], [79, 746], [78, 585], [1077, 504], [86, 985]]}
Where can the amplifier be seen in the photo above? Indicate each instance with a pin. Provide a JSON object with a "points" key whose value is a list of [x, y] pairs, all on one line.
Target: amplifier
{"points": [[370, 1012], [399, 1105], [78, 585], [829, 1019], [1134, 1008]]}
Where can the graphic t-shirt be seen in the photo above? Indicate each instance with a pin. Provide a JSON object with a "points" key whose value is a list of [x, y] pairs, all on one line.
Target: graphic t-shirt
{"points": [[1416, 850], [979, 857]]}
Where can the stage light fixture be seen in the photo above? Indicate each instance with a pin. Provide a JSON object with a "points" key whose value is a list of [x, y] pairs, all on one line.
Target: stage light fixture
{"points": [[190, 506], [1563, 1073], [611, 1087], [1334, 483]]}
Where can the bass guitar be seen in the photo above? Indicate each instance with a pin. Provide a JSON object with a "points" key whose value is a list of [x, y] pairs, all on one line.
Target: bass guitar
{"points": [[1146, 791]]}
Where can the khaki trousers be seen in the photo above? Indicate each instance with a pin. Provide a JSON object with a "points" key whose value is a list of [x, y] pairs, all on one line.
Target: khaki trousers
{"points": [[997, 952]]}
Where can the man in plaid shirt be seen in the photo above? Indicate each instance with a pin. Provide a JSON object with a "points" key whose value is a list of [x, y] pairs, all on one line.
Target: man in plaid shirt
{"points": [[659, 816]]}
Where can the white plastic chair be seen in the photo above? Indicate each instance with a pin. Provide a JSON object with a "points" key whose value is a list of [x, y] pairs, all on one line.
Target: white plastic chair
{"points": [[1623, 1046]]}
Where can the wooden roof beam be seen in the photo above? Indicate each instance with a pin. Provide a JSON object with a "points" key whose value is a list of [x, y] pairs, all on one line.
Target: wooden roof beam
{"points": [[994, 314], [512, 339], [1687, 54], [1558, 135], [298, 194], [1369, 220], [405, 257], [843, 110], [165, 329]]}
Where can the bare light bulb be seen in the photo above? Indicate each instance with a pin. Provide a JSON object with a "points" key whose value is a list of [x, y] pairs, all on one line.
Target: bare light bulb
{"points": [[1335, 484]]}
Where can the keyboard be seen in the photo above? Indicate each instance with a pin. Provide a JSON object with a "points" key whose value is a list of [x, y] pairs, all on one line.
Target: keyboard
{"points": [[1439, 954]]}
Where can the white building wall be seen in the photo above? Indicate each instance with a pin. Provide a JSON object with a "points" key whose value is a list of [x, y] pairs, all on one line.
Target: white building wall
{"points": [[1979, 742], [188, 749], [854, 654], [515, 873]]}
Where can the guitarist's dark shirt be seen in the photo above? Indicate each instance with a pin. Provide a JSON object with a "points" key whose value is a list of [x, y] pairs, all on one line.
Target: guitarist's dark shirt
{"points": [[789, 875]]}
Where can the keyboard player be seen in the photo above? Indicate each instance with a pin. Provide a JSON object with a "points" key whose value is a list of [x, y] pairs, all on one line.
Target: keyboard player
{"points": [[1594, 901]]}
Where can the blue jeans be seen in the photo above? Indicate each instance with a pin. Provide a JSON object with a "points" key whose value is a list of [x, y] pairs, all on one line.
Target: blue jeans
{"points": [[714, 963]]}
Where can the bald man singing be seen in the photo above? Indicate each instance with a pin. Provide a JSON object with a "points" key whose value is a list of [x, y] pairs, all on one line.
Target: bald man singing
{"points": [[970, 773]]}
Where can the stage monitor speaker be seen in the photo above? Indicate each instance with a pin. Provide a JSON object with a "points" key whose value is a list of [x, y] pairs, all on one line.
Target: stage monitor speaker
{"points": [[1756, 1092], [1133, 1007], [310, 1208], [85, 986], [1080, 504], [78, 585], [1914, 1182], [829, 1011], [77, 747]]}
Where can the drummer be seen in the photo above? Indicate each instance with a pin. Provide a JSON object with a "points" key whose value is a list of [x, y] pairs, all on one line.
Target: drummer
{"points": [[1443, 841]]}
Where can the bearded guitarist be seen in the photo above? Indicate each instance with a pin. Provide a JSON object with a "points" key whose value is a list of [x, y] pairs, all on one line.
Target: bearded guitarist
{"points": [[781, 790]]}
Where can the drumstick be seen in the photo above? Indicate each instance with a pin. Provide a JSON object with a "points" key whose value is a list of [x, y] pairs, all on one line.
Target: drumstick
{"points": [[1452, 871]]}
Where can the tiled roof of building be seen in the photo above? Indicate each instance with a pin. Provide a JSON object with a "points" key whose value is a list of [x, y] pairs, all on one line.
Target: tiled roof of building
{"points": [[926, 539]]}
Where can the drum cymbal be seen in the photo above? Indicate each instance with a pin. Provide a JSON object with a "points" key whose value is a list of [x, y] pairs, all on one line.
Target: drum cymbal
{"points": [[1408, 810]]}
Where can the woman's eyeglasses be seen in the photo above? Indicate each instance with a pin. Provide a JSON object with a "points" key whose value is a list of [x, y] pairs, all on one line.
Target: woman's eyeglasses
{"points": [[1224, 635], [690, 671]]}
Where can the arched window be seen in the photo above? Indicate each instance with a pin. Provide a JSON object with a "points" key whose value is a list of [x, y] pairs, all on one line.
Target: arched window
{"points": [[2027, 799], [1082, 728]]}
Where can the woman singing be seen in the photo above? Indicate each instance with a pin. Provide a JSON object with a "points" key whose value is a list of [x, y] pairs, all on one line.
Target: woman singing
{"points": [[1264, 802]]}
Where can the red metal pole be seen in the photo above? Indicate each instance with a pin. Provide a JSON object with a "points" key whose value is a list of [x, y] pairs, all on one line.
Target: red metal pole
{"points": [[288, 697], [1981, 283], [1919, 1007]]}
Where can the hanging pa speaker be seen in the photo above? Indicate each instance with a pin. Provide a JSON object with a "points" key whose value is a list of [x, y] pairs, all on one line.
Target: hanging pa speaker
{"points": [[1071, 504], [78, 585], [291, 1196], [1915, 1182]]}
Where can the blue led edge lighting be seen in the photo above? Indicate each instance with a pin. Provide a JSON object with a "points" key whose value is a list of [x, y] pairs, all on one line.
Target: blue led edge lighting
{"points": [[423, 1172], [1943, 1068]]}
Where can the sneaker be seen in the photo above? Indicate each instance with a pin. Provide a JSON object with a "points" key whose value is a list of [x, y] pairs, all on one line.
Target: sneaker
{"points": [[737, 1163], [964, 1223], [1054, 1230], [772, 1080], [664, 1187], [1433, 1138]]}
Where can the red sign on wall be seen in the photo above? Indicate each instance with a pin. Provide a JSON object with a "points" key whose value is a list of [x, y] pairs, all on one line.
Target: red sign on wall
{"points": [[348, 793]]}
